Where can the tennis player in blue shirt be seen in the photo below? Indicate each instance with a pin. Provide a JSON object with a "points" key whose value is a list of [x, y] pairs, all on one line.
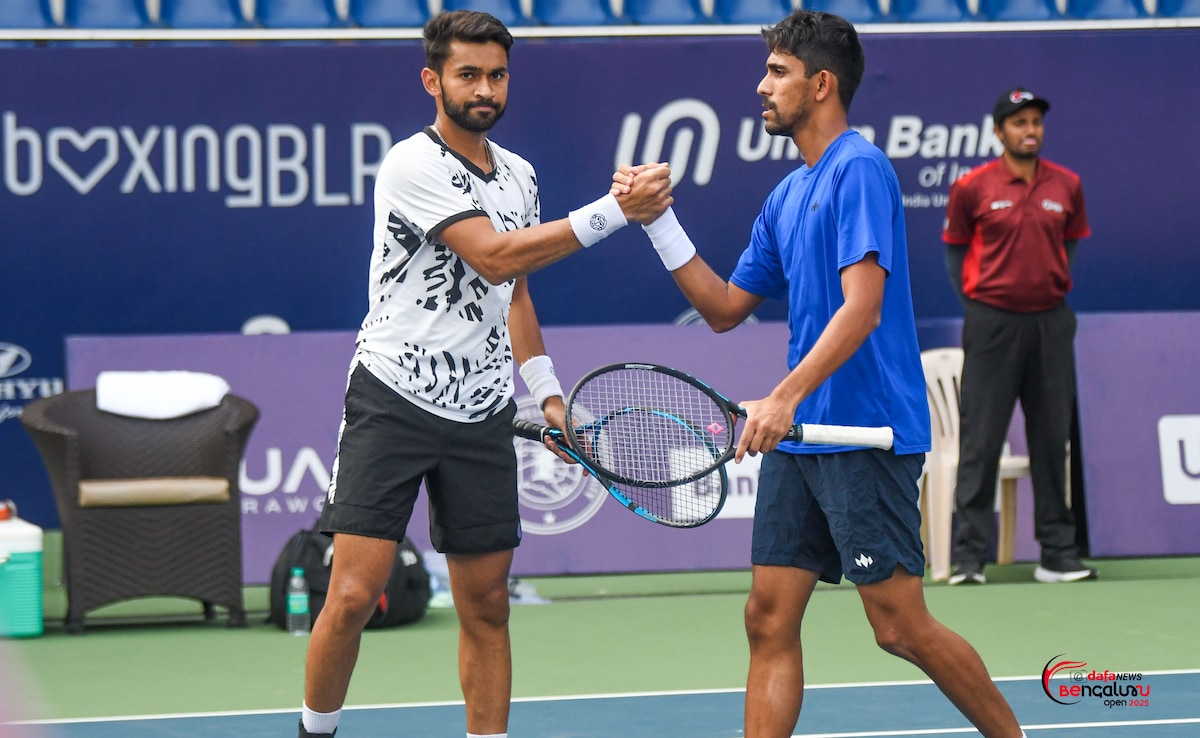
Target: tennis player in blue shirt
{"points": [[830, 240]]}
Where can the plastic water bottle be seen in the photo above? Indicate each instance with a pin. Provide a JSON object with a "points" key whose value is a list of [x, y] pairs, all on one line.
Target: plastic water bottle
{"points": [[298, 622]]}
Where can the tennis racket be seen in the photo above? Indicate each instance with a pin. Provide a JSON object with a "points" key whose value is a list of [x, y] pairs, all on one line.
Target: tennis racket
{"points": [[647, 425], [686, 505]]}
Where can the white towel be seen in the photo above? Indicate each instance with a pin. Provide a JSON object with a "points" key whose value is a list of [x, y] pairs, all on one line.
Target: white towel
{"points": [[158, 395]]}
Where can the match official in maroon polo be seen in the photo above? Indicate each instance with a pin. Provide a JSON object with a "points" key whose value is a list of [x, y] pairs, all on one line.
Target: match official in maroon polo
{"points": [[1011, 230]]}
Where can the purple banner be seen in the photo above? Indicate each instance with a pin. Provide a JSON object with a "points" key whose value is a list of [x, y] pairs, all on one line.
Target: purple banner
{"points": [[571, 524], [1139, 416], [1139, 421]]}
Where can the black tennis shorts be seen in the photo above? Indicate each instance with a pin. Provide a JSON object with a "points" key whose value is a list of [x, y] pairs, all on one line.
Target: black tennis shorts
{"points": [[387, 446]]}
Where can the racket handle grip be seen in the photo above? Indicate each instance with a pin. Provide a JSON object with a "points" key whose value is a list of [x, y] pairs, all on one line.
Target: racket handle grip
{"points": [[532, 431], [843, 435]]}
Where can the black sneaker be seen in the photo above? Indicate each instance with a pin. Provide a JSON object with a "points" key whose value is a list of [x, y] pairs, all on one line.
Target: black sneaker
{"points": [[305, 734], [967, 574], [1064, 570]]}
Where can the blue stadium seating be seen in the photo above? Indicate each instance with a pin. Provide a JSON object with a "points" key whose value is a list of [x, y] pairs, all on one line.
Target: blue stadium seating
{"points": [[201, 13], [930, 11], [1178, 8], [855, 11], [297, 14], [26, 14], [1019, 10], [752, 12], [123, 14], [507, 11], [576, 13], [1105, 9], [389, 13], [665, 12]]}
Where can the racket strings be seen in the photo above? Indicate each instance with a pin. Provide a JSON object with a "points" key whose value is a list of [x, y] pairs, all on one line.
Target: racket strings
{"points": [[684, 505], [649, 427]]}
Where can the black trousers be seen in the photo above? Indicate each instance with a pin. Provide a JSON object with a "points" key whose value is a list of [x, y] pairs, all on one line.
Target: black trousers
{"points": [[1011, 356]]}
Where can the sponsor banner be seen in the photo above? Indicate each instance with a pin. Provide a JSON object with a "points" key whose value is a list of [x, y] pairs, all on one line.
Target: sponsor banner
{"points": [[570, 522], [1139, 419], [1126, 398], [132, 208]]}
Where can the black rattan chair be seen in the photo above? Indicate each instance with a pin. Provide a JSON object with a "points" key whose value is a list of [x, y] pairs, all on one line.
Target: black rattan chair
{"points": [[147, 507]]}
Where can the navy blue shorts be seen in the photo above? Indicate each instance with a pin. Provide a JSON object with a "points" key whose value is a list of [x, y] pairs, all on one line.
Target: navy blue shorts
{"points": [[852, 513], [388, 445]]}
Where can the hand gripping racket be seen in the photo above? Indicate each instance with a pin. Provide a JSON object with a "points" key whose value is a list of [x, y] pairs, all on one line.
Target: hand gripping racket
{"points": [[685, 505], [647, 425]]}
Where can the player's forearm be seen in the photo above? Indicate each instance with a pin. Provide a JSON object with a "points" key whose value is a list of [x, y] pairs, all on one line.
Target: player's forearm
{"points": [[515, 254], [524, 330], [712, 296]]}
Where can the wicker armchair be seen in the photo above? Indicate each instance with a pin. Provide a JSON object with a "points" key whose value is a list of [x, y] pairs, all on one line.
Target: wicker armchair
{"points": [[147, 507]]}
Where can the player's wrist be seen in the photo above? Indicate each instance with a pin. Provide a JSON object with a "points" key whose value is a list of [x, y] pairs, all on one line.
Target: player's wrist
{"points": [[597, 220], [670, 241], [538, 374]]}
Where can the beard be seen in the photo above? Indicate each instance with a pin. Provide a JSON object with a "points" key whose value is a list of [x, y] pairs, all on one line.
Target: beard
{"points": [[1023, 154], [780, 126], [462, 117]]}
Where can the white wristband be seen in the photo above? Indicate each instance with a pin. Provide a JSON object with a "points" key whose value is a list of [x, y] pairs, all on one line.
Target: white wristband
{"points": [[597, 220], [670, 240], [538, 373]]}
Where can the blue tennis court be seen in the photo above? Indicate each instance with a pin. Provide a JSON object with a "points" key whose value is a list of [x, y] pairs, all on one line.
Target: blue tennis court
{"points": [[912, 709]]}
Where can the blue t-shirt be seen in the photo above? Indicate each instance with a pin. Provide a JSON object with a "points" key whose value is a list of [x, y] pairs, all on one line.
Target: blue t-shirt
{"points": [[816, 222]]}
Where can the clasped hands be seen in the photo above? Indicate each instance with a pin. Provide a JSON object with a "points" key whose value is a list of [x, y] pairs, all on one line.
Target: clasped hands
{"points": [[643, 192]]}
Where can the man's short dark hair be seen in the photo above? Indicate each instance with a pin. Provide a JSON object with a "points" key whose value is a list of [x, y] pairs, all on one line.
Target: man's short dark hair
{"points": [[461, 25], [821, 41]]}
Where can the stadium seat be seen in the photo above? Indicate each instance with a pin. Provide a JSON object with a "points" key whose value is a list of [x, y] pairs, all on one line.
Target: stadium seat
{"points": [[576, 13], [297, 14], [751, 12], [665, 12], [1105, 9], [26, 14], [105, 14], [201, 13], [855, 11], [930, 11], [389, 13], [1019, 10], [1178, 8], [508, 11]]}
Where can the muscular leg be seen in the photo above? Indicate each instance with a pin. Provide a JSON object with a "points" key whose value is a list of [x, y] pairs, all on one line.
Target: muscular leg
{"points": [[480, 586], [904, 627], [775, 686], [361, 567]]}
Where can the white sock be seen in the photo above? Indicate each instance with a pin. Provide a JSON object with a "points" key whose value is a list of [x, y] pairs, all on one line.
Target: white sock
{"points": [[489, 735], [319, 722]]}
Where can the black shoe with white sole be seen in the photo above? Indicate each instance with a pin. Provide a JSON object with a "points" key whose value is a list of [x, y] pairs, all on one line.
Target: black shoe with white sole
{"points": [[1063, 570], [967, 574]]}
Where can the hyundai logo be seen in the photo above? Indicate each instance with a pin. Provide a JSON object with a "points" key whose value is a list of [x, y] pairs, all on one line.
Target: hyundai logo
{"points": [[13, 360]]}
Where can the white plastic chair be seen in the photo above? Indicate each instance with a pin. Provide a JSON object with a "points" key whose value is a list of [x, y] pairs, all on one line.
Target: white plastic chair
{"points": [[943, 370]]}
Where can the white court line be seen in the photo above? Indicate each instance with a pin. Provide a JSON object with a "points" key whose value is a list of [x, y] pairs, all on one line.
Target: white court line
{"points": [[1048, 726], [601, 696]]}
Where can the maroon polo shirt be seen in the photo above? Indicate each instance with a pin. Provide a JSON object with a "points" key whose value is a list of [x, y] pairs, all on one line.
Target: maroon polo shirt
{"points": [[1014, 232]]}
